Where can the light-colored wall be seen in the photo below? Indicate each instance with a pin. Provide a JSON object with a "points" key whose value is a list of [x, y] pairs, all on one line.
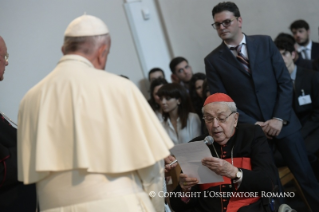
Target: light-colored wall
{"points": [[188, 23], [148, 35], [33, 31]]}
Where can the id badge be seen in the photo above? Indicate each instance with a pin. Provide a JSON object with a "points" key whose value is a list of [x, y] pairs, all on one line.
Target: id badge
{"points": [[304, 100]]}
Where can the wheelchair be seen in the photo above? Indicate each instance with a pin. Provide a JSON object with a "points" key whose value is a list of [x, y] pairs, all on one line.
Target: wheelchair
{"points": [[285, 208], [274, 206]]}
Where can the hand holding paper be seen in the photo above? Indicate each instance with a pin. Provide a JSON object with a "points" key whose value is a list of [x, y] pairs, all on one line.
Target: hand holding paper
{"points": [[186, 182], [220, 166], [190, 157]]}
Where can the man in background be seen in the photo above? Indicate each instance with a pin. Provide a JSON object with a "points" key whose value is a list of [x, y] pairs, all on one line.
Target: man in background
{"points": [[306, 100], [298, 60], [301, 31], [14, 196], [155, 73], [181, 71]]}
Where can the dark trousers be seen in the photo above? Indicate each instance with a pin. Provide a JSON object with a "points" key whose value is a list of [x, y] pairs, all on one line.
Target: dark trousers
{"points": [[293, 151]]}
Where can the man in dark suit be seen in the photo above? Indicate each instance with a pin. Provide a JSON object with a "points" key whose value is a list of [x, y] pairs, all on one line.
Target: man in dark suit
{"points": [[306, 100], [301, 31], [256, 78], [14, 195]]}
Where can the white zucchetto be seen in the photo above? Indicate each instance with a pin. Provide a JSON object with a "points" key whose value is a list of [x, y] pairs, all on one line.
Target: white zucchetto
{"points": [[86, 25]]}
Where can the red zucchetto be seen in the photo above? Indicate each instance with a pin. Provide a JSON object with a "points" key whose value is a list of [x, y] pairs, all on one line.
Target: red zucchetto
{"points": [[218, 97]]}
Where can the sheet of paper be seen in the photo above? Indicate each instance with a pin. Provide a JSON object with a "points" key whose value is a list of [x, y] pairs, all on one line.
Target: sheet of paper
{"points": [[189, 157]]}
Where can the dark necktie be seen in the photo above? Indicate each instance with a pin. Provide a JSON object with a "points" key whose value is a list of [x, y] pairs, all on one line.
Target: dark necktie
{"points": [[304, 51], [241, 58]]}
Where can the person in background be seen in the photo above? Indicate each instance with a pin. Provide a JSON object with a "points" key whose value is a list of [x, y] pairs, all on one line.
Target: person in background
{"points": [[252, 72], [196, 95], [87, 137], [155, 101], [14, 196], [178, 120], [309, 49], [206, 92], [298, 60], [306, 101], [181, 71], [240, 153], [155, 73]]}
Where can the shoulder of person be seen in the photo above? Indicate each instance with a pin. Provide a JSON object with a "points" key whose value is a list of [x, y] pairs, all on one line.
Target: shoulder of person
{"points": [[215, 51], [307, 72], [199, 138], [192, 115], [259, 40], [259, 37], [113, 79], [315, 43], [244, 127]]}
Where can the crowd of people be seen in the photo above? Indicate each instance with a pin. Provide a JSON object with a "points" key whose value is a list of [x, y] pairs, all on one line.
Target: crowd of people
{"points": [[274, 84], [87, 140]]}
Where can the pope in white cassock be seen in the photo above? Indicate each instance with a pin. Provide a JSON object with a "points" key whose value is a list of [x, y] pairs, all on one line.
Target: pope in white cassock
{"points": [[88, 138]]}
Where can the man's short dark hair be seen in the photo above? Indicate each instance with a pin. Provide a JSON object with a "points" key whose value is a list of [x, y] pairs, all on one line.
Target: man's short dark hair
{"points": [[286, 36], [299, 24], [226, 6], [285, 44], [175, 62], [155, 70]]}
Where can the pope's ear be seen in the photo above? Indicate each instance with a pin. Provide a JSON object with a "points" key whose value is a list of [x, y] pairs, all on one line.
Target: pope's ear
{"points": [[102, 53]]}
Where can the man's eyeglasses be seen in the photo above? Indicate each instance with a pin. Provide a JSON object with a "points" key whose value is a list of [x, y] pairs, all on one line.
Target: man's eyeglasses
{"points": [[6, 57], [209, 119], [225, 23]]}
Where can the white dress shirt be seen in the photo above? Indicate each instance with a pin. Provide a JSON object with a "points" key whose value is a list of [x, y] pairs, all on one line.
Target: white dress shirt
{"points": [[243, 48], [192, 129]]}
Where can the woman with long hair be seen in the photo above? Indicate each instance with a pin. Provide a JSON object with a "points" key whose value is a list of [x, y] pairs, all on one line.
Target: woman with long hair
{"points": [[196, 92], [155, 101], [178, 120], [196, 86], [205, 92]]}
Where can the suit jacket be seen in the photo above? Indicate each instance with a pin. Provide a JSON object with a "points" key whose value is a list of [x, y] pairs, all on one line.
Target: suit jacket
{"points": [[314, 50], [307, 64], [308, 114], [315, 64], [14, 196], [265, 93], [248, 141]]}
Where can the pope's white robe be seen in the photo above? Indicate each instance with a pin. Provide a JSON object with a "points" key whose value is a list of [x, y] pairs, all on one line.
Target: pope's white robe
{"points": [[79, 117]]}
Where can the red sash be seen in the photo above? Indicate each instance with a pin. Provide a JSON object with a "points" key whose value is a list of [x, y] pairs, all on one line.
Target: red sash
{"points": [[235, 202]]}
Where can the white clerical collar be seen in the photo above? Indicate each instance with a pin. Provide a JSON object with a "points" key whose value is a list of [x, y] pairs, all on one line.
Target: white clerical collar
{"points": [[243, 41], [75, 57]]}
